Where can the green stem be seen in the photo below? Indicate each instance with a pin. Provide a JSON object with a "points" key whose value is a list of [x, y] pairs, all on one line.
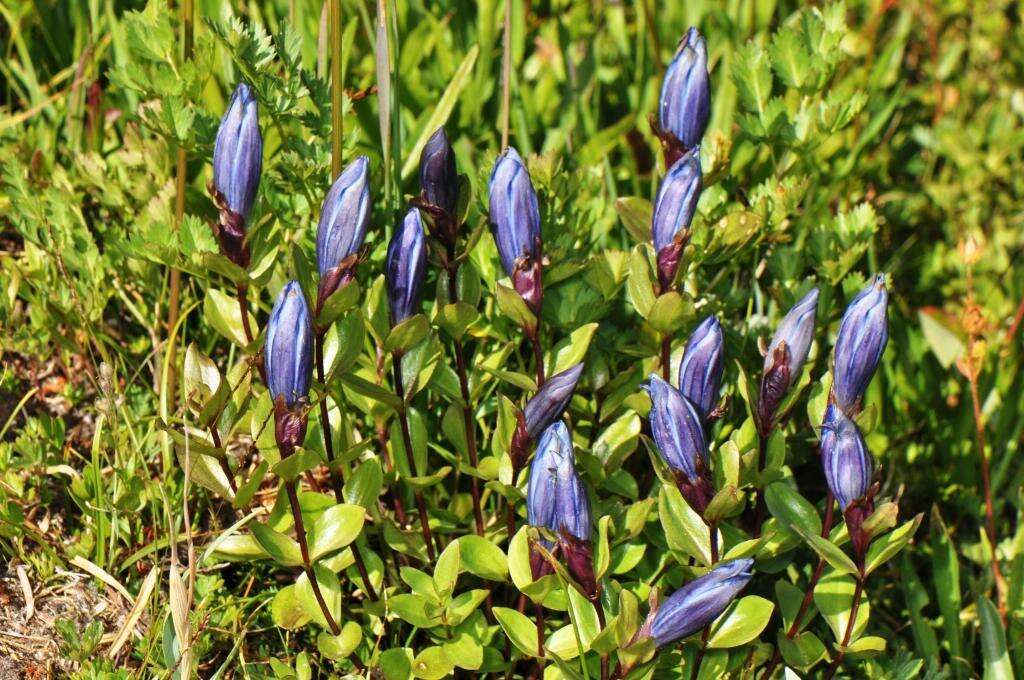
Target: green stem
{"points": [[300, 536]]}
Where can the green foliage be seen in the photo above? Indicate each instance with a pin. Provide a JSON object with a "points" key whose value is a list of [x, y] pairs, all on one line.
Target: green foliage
{"points": [[846, 139]]}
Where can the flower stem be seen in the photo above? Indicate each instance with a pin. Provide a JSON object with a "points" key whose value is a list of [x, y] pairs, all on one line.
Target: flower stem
{"points": [[467, 409], [601, 625], [300, 536], [762, 457], [858, 591], [805, 604], [538, 353], [403, 421], [336, 475], [666, 359]]}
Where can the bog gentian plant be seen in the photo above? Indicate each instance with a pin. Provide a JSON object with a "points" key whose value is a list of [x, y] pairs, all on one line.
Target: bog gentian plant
{"points": [[454, 454]]}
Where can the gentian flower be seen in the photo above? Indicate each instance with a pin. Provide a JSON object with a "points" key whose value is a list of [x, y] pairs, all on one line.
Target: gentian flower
{"points": [[685, 102], [699, 602], [405, 267], [861, 340], [439, 180], [289, 346], [550, 401], [676, 428], [700, 372], [515, 224], [845, 457], [288, 359], [786, 356], [238, 152], [674, 209]]}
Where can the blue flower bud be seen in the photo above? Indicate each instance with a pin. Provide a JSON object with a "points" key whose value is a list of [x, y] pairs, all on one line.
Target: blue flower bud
{"points": [[555, 496], [439, 179], [699, 602], [700, 372], [674, 209], [792, 339], [845, 457], [863, 333], [405, 267], [675, 425], [514, 215], [550, 401], [685, 103], [344, 216], [238, 152], [288, 350]]}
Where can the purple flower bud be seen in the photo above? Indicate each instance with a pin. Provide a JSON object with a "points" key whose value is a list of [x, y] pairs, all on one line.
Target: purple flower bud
{"points": [[685, 103], [238, 152], [289, 346], [700, 372], [795, 333], [863, 333], [555, 496], [439, 180], [674, 209], [405, 267], [344, 216], [549, 403], [845, 457], [514, 215], [699, 602], [675, 425]]}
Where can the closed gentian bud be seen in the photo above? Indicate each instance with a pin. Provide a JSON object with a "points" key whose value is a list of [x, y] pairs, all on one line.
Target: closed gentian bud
{"points": [[288, 358], [786, 356], [515, 224], [700, 372], [679, 436], [699, 602], [238, 152], [439, 180], [344, 218], [863, 333], [550, 401], [673, 211], [844, 457], [237, 162], [685, 103], [405, 267]]}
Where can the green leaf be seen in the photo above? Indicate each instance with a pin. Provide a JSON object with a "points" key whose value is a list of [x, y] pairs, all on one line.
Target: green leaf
{"points": [[335, 528], [834, 598], [396, 663], [339, 302], [456, 318], [286, 610], [563, 643], [519, 558], [415, 609], [803, 651], [432, 664], [944, 343], [669, 312], [329, 588], [482, 558], [741, 622], [751, 72], [636, 214], [364, 485], [282, 549], [464, 651], [340, 646], [994, 654], [885, 547], [407, 334], [640, 283], [464, 604], [830, 551], [685, 531], [224, 315], [446, 570], [294, 465], [571, 350], [519, 629], [512, 306], [791, 509]]}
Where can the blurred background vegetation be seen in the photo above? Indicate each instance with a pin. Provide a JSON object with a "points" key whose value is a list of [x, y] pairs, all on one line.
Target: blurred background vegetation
{"points": [[846, 139]]}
